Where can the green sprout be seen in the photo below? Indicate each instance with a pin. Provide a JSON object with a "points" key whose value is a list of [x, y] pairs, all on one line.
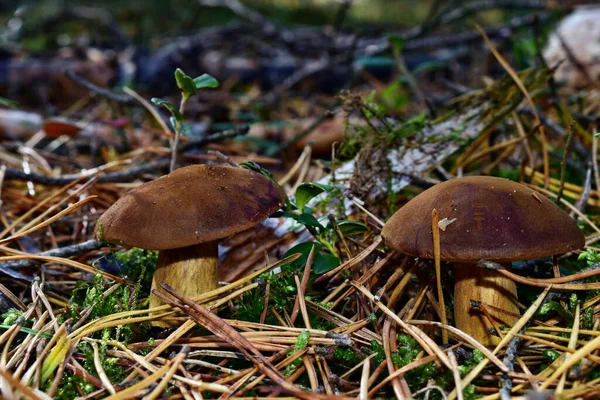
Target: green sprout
{"points": [[188, 88]]}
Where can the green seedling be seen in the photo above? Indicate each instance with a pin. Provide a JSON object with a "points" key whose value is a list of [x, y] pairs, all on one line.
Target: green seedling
{"points": [[327, 255], [188, 88]]}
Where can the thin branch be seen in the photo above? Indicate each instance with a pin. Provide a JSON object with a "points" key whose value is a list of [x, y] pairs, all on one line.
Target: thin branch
{"points": [[63, 252], [563, 164], [127, 175], [119, 98]]}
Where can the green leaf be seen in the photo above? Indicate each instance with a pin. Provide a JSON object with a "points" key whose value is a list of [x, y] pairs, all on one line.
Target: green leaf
{"points": [[396, 41], [321, 262], [325, 263], [304, 249], [186, 130], [429, 66], [349, 228], [29, 331], [253, 166], [185, 83], [8, 103], [308, 190], [205, 81], [172, 109], [309, 220], [395, 96]]}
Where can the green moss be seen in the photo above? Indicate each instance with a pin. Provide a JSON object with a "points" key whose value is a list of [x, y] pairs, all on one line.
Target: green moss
{"points": [[67, 388], [301, 343], [552, 355], [90, 297], [282, 293], [347, 356], [115, 373], [594, 374], [11, 316], [469, 393], [590, 256], [139, 266]]}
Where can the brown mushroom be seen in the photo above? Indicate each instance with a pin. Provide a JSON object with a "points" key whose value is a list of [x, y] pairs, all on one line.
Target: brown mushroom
{"points": [[184, 214], [483, 218]]}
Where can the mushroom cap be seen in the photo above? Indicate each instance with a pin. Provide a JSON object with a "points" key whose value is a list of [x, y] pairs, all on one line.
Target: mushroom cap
{"points": [[191, 205], [496, 219]]}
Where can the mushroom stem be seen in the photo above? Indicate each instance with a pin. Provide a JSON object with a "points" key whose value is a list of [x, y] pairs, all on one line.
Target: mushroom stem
{"points": [[488, 287], [190, 270]]}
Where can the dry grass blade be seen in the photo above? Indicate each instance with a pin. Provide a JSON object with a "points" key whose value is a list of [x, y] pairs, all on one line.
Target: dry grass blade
{"points": [[195, 384], [350, 263], [157, 117], [101, 373], [364, 381], [455, 374], [435, 228], [34, 394], [527, 96], [462, 335], [141, 385], [425, 342], [67, 262], [121, 318], [226, 332], [302, 285], [571, 360], [159, 389], [50, 220], [503, 342], [547, 283], [41, 205], [572, 345]]}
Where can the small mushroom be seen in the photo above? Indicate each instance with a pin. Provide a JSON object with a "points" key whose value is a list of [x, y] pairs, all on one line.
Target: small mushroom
{"points": [[495, 219], [183, 215]]}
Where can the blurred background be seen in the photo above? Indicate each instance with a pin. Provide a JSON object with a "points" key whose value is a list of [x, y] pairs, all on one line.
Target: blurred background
{"points": [[140, 43]]}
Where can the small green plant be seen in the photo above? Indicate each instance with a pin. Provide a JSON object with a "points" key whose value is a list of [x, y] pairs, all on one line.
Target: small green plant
{"points": [[327, 232], [326, 254], [188, 88], [590, 256], [98, 301]]}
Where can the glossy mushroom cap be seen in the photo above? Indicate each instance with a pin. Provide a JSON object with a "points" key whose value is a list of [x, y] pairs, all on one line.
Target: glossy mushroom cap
{"points": [[496, 219], [192, 205]]}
